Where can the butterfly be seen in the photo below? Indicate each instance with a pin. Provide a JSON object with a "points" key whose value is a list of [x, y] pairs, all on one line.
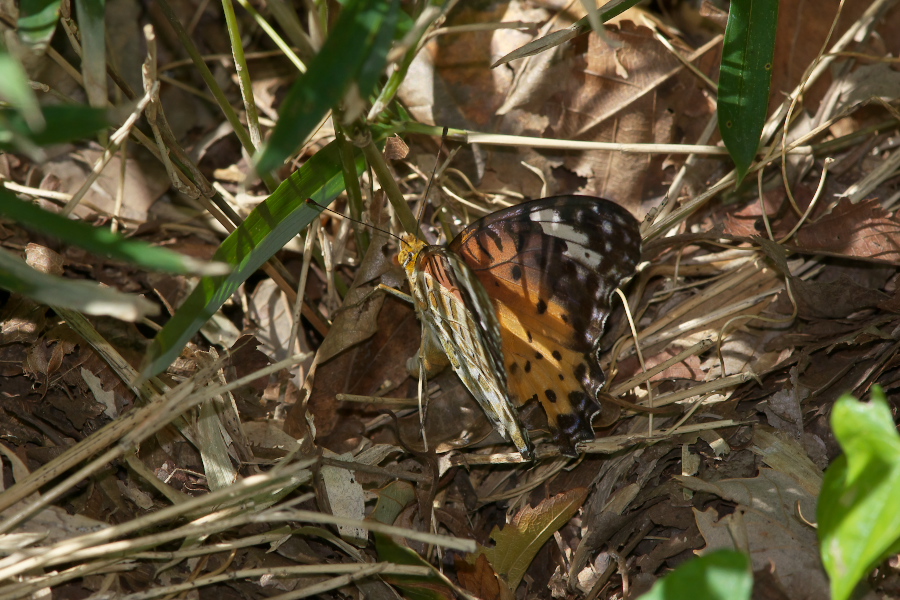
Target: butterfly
{"points": [[518, 301]]}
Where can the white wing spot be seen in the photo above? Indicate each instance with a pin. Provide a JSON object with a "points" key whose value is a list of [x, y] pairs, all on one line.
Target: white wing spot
{"points": [[565, 232], [548, 215]]}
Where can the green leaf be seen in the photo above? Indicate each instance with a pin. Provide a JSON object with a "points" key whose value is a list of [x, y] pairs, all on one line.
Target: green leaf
{"points": [[721, 575], [100, 240], [611, 9], [92, 23], [745, 77], [858, 513], [37, 22], [85, 296], [392, 499], [17, 91], [64, 123], [415, 587], [355, 53], [265, 231]]}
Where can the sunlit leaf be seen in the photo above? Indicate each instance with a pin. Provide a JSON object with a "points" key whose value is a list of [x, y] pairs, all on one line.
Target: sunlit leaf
{"points": [[858, 515], [721, 575]]}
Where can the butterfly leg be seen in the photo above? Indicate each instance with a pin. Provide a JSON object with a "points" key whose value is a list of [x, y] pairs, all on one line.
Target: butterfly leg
{"points": [[395, 293]]}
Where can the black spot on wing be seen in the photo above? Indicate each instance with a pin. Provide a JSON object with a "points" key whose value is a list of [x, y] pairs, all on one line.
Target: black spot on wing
{"points": [[551, 395], [557, 355], [541, 307], [495, 237], [516, 272]]}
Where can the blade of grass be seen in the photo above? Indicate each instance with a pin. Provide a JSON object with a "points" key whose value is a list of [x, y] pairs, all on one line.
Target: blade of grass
{"points": [[37, 22], [355, 53], [17, 91], [85, 296], [92, 25], [609, 10], [265, 231], [100, 240], [63, 123], [745, 77]]}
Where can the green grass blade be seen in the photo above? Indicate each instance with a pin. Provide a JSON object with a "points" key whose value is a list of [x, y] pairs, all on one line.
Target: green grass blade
{"points": [[355, 53], [745, 77], [92, 24], [265, 231], [102, 241], [609, 10], [16, 90], [858, 515], [64, 123], [37, 22], [84, 296]]}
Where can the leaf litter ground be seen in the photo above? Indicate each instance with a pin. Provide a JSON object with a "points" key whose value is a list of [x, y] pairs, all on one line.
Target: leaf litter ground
{"points": [[259, 490]]}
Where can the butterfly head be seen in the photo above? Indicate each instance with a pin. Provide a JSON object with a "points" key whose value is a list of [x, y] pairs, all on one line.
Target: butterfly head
{"points": [[410, 247]]}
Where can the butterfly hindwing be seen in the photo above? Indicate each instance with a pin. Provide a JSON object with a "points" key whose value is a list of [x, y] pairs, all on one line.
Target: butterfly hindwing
{"points": [[550, 267]]}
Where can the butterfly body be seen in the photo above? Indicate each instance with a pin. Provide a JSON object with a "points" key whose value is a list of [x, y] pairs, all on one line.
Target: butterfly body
{"points": [[518, 302]]}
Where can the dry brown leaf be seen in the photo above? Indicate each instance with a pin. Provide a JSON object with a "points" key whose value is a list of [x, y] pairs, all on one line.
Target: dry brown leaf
{"points": [[767, 523], [864, 230], [518, 543], [480, 579]]}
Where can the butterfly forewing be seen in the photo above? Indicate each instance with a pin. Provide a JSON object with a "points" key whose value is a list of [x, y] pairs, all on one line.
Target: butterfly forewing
{"points": [[456, 309], [550, 267]]}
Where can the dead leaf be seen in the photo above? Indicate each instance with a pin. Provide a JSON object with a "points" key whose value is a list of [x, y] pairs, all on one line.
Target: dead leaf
{"points": [[480, 579], [767, 522], [865, 230], [519, 542]]}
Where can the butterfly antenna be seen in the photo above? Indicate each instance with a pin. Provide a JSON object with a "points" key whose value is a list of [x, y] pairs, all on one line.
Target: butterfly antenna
{"points": [[437, 161], [349, 218]]}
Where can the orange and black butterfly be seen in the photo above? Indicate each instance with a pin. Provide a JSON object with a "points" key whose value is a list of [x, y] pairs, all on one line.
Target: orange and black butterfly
{"points": [[518, 302]]}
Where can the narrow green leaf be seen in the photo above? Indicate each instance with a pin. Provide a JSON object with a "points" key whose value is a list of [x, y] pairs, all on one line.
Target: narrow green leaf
{"points": [[745, 77], [100, 240], [17, 91], [88, 297], [37, 22], [265, 231], [354, 53], [414, 587], [64, 123], [92, 23], [611, 9], [858, 515], [721, 575]]}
